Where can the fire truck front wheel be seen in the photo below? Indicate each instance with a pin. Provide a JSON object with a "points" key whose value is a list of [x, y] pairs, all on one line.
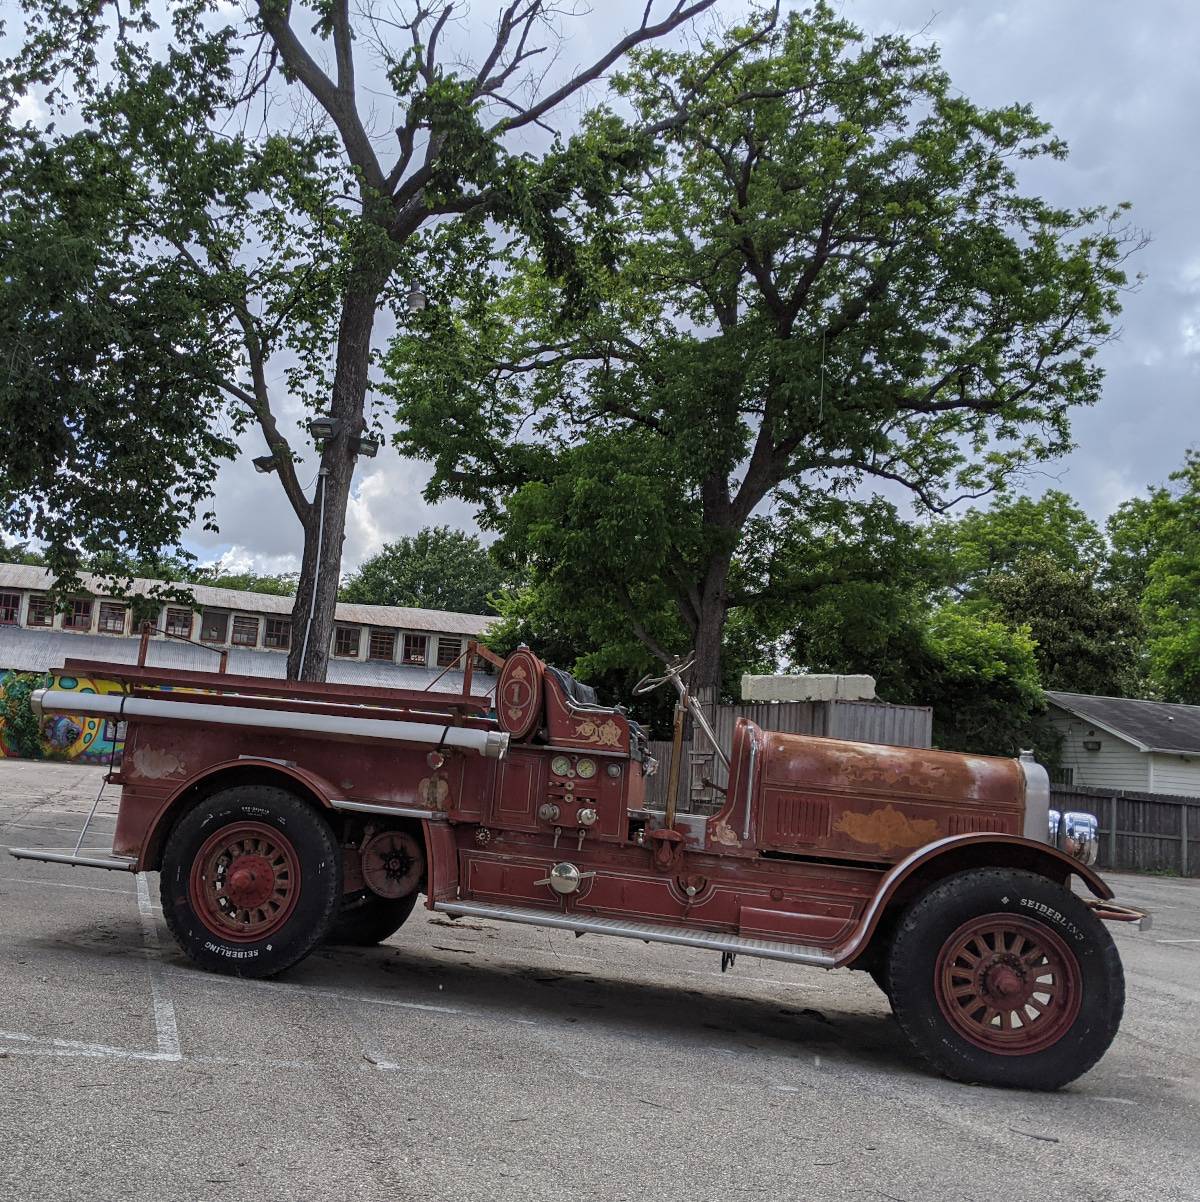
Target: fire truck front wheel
{"points": [[1004, 977], [251, 881]]}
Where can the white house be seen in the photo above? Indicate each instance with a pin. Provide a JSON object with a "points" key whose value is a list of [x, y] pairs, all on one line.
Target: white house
{"points": [[1116, 743]]}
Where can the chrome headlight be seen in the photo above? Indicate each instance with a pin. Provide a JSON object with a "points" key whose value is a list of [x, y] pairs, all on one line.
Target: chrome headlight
{"points": [[1055, 824], [1079, 836]]}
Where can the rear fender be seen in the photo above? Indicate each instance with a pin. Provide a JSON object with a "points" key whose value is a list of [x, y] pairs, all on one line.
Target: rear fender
{"points": [[957, 854], [308, 785]]}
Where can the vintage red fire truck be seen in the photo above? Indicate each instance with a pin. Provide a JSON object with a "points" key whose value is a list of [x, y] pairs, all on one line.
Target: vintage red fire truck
{"points": [[281, 815]]}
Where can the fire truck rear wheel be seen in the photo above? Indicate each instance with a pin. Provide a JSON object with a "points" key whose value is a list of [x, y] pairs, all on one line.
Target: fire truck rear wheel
{"points": [[366, 922], [251, 881], [1004, 977]]}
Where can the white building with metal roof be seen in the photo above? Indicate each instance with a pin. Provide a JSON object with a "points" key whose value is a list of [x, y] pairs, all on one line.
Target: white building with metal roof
{"points": [[391, 646]]}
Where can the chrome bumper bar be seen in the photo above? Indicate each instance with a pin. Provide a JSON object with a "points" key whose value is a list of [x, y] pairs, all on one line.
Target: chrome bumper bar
{"points": [[78, 859]]}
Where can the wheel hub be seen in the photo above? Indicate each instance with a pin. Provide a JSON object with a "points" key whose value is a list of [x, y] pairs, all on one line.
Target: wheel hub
{"points": [[1008, 984], [250, 881]]}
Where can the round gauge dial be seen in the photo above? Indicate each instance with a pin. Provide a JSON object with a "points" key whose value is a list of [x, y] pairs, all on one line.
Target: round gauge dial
{"points": [[586, 769], [560, 765]]}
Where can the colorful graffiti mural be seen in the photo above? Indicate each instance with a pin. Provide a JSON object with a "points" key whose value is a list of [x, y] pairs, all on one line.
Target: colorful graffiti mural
{"points": [[64, 736]]}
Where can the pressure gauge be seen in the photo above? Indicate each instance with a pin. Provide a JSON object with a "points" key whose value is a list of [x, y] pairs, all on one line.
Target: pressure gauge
{"points": [[560, 765], [586, 769]]}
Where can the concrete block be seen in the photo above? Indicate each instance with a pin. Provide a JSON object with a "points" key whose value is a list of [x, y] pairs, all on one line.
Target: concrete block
{"points": [[814, 687]]}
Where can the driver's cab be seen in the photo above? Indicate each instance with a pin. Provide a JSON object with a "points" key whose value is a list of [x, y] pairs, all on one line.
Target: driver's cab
{"points": [[574, 768]]}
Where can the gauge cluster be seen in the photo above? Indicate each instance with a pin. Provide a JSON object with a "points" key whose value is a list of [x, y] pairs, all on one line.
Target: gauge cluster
{"points": [[582, 768]]}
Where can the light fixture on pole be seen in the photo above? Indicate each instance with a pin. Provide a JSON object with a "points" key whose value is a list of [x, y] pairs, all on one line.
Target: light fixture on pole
{"points": [[417, 300], [324, 429], [264, 464], [367, 446]]}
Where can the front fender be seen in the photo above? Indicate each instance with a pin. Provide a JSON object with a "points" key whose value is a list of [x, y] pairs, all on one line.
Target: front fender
{"points": [[957, 853]]}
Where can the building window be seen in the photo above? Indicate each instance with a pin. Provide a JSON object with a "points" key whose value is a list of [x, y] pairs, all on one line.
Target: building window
{"points": [[112, 618], [278, 633], [1062, 776], [179, 623], [345, 641], [448, 651], [382, 645], [78, 615], [415, 647], [245, 631], [10, 606], [214, 627], [40, 612]]}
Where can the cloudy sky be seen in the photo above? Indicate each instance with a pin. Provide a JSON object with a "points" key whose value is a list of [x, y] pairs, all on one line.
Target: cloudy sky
{"points": [[1118, 83]]}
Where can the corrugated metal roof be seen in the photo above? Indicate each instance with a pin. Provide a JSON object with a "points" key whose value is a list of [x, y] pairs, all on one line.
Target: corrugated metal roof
{"points": [[1151, 725], [44, 650], [436, 621]]}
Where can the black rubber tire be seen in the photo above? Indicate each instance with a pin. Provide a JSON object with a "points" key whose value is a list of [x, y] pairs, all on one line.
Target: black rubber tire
{"points": [[317, 901], [939, 912], [366, 921]]}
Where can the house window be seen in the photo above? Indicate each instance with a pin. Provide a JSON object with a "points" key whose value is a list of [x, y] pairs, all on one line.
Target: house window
{"points": [[214, 627], [112, 618], [245, 631], [345, 641], [1062, 776], [415, 646], [382, 645], [10, 606], [448, 651], [179, 623], [278, 633], [78, 615], [40, 612]]}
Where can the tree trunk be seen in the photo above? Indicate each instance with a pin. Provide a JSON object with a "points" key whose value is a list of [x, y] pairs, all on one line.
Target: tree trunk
{"points": [[325, 529], [710, 625]]}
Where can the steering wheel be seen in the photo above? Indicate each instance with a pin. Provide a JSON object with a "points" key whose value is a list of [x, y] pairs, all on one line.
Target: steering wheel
{"points": [[649, 683]]}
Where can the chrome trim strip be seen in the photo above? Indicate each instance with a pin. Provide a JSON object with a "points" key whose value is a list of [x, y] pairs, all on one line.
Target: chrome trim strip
{"points": [[648, 932], [753, 759], [50, 855], [371, 807]]}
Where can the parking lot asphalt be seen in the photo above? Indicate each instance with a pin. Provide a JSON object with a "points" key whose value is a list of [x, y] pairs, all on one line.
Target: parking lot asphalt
{"points": [[476, 1061]]}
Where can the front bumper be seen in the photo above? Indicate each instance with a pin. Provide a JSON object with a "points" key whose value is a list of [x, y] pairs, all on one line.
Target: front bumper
{"points": [[1111, 912]]}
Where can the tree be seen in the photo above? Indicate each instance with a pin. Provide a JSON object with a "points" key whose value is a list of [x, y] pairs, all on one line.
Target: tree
{"points": [[437, 568], [983, 542], [829, 280], [1043, 564], [1088, 638], [242, 214], [1156, 556]]}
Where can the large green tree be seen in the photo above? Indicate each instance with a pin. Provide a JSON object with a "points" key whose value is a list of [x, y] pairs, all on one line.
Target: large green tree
{"points": [[1156, 558], [1043, 565], [245, 193], [830, 280], [436, 568]]}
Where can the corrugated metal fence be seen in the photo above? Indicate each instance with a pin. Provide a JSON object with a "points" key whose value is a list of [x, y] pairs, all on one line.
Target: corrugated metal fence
{"points": [[859, 721], [1140, 832]]}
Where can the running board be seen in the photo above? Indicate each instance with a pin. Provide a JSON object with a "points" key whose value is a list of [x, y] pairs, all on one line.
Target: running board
{"points": [[649, 932], [83, 859]]}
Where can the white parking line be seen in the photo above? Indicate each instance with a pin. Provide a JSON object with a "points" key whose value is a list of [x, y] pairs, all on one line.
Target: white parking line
{"points": [[25, 880], [1177, 941], [165, 1028], [34, 1045]]}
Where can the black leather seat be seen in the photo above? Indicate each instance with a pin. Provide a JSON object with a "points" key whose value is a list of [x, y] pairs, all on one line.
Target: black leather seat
{"points": [[576, 691]]}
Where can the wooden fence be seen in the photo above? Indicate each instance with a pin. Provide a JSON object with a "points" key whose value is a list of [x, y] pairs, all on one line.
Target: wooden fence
{"points": [[1139, 832]]}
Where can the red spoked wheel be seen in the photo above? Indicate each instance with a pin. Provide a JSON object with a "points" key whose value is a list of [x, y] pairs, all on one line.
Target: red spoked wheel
{"points": [[1008, 985], [245, 881], [251, 880], [1002, 976]]}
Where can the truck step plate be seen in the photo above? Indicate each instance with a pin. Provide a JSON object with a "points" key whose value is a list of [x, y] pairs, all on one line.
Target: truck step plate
{"points": [[648, 931], [85, 858]]}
